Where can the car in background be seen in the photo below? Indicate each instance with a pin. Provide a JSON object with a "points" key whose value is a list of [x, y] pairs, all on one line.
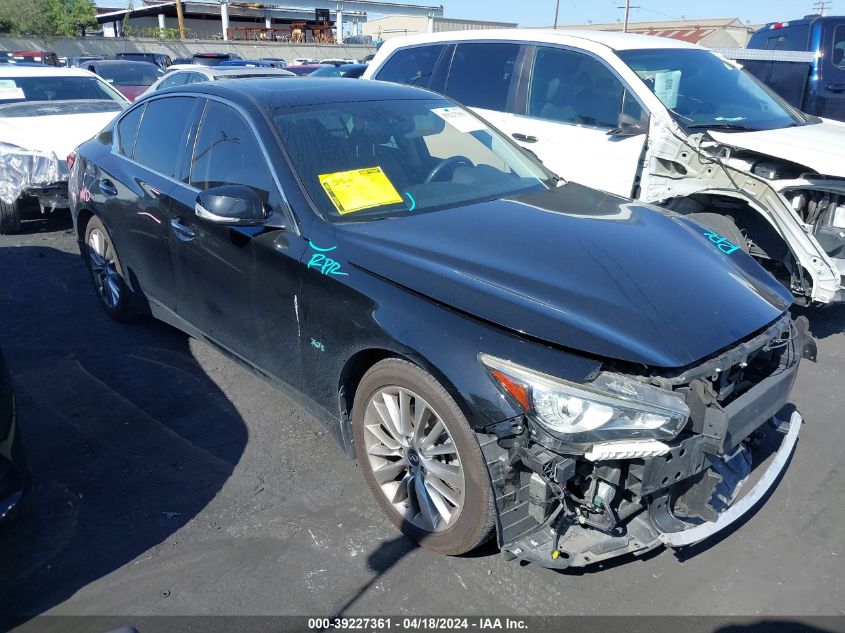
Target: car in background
{"points": [[76, 62], [248, 63], [36, 57], [801, 60], [159, 59], [337, 61], [304, 61], [350, 71], [277, 60], [179, 61], [503, 352], [198, 74], [661, 120], [214, 59], [131, 78], [306, 69], [14, 475], [45, 113]]}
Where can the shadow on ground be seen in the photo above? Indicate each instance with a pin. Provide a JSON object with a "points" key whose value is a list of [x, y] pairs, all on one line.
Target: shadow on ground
{"points": [[127, 438]]}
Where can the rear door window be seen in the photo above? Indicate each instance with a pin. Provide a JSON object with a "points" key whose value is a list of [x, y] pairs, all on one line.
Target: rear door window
{"points": [[227, 153], [482, 74], [570, 87], [127, 130], [161, 134], [412, 66], [838, 50]]}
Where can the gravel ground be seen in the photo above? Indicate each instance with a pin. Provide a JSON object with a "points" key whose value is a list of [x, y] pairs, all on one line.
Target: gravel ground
{"points": [[168, 480]]}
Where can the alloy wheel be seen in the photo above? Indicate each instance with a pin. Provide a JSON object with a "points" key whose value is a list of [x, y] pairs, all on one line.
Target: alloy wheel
{"points": [[104, 270], [413, 458]]}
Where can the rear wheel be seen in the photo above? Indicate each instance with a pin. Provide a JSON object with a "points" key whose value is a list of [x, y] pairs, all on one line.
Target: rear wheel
{"points": [[106, 272], [421, 458], [10, 217]]}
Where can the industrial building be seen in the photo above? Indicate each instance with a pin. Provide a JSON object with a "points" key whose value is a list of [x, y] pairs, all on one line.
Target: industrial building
{"points": [[713, 33], [386, 27]]}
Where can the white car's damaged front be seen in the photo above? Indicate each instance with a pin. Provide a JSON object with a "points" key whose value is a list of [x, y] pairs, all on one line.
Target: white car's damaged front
{"points": [[44, 114], [722, 144]]}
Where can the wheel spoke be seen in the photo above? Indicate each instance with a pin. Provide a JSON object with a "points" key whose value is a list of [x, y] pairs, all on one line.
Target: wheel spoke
{"points": [[431, 436], [450, 474], [427, 509], [446, 448], [387, 421], [405, 426], [383, 437], [392, 409], [397, 491], [389, 470], [422, 413], [439, 502], [446, 492], [113, 289]]}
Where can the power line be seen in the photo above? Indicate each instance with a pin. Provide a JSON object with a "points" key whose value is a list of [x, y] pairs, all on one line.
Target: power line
{"points": [[821, 6]]}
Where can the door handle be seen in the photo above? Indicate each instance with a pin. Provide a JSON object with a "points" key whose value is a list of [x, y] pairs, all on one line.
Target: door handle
{"points": [[525, 138], [184, 233], [836, 87], [108, 188]]}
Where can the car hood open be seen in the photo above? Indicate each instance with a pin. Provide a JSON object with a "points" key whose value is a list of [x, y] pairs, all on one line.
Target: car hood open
{"points": [[819, 146], [580, 269]]}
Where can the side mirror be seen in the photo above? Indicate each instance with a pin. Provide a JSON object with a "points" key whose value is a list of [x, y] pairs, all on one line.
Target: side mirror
{"points": [[629, 126], [230, 204]]}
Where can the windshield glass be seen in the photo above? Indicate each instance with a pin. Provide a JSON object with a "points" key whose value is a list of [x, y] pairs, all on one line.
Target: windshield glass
{"points": [[702, 90], [130, 73], [54, 88], [365, 160]]}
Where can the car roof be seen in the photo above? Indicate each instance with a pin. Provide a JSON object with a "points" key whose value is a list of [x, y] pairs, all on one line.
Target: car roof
{"points": [[42, 71], [278, 93], [611, 39]]}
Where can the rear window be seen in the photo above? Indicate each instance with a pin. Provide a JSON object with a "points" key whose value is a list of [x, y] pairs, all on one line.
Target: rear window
{"points": [[127, 130], [130, 73], [793, 38], [412, 66]]}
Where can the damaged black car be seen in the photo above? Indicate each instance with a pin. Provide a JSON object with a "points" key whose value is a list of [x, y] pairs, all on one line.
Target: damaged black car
{"points": [[504, 353]]}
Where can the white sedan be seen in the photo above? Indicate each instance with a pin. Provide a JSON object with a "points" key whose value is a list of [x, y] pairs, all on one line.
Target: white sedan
{"points": [[45, 113], [182, 74]]}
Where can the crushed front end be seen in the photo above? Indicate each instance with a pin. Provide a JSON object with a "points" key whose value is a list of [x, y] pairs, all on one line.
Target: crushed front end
{"points": [[722, 437]]}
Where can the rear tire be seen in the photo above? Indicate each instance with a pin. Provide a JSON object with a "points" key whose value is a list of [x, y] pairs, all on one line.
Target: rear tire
{"points": [[106, 271], [10, 217], [421, 459]]}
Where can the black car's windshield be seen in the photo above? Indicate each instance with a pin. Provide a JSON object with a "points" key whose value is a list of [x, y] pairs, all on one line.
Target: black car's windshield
{"points": [[381, 159], [703, 91], [57, 88], [130, 73]]}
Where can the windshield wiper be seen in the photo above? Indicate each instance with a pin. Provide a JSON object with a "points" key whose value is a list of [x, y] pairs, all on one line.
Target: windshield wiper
{"points": [[721, 126]]}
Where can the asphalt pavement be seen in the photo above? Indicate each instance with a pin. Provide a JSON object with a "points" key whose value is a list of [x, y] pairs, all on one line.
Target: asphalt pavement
{"points": [[169, 480]]}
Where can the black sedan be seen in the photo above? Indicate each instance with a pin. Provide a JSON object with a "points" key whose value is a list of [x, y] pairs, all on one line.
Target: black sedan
{"points": [[501, 350], [14, 477]]}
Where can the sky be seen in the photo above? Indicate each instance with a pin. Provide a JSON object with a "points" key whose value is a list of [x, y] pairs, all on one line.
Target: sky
{"points": [[542, 12]]}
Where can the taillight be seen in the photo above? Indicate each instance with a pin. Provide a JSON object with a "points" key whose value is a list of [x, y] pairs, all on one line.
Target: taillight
{"points": [[71, 159]]}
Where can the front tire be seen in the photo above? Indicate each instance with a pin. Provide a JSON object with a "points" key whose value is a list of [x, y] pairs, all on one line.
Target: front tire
{"points": [[421, 458], [106, 272], [10, 217]]}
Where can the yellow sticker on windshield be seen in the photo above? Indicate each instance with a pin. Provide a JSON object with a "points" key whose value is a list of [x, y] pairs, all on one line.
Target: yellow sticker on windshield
{"points": [[358, 189]]}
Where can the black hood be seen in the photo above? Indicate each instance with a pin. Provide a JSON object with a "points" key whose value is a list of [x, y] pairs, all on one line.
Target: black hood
{"points": [[580, 269]]}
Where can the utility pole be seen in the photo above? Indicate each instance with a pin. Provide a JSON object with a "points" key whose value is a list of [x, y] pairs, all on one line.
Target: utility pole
{"points": [[180, 19], [821, 6], [557, 8], [627, 8]]}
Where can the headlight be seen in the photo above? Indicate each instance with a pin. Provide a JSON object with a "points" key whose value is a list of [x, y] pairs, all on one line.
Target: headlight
{"points": [[611, 407]]}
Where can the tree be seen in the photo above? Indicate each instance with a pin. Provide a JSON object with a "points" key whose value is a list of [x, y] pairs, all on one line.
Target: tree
{"points": [[47, 18]]}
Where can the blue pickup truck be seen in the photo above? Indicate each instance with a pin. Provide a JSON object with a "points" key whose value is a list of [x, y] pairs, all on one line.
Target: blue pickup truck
{"points": [[801, 60]]}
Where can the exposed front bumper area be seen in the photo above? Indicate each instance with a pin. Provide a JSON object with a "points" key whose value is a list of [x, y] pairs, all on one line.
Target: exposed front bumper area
{"points": [[656, 525], [559, 507]]}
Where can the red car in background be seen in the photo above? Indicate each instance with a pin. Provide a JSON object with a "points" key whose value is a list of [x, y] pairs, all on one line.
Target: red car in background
{"points": [[36, 57], [129, 78], [306, 69]]}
